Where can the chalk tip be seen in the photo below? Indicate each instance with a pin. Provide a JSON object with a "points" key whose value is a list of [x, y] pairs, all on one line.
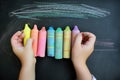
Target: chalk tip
{"points": [[43, 28], [67, 28], [59, 29], [75, 28], [51, 28], [26, 24], [27, 27], [35, 26]]}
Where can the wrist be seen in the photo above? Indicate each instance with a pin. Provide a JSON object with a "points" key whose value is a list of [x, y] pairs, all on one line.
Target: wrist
{"points": [[28, 66], [29, 62], [78, 61], [82, 72], [79, 64]]}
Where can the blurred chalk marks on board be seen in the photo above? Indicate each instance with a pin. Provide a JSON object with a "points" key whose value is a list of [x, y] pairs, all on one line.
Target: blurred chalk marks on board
{"points": [[106, 45], [46, 9]]}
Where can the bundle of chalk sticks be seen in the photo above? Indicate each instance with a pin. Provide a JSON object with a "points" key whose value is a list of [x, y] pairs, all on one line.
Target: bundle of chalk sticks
{"points": [[58, 42]]}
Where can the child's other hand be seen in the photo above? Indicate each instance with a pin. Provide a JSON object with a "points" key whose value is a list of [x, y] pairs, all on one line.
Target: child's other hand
{"points": [[83, 47], [25, 54]]}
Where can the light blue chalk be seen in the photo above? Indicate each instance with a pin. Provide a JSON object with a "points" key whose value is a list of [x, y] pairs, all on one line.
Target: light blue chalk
{"points": [[50, 42]]}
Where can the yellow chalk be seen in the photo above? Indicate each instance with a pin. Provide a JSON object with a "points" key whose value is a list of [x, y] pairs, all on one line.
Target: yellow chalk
{"points": [[67, 42], [26, 32]]}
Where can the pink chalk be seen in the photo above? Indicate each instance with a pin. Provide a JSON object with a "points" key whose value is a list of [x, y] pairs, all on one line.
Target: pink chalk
{"points": [[75, 31], [42, 42]]}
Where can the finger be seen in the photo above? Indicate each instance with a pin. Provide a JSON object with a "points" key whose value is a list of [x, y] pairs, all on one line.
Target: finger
{"points": [[78, 40], [15, 38], [16, 43], [85, 38], [19, 40], [22, 35], [29, 43], [17, 34], [91, 38]]}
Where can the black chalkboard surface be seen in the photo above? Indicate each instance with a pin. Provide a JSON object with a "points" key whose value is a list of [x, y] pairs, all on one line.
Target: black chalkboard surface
{"points": [[103, 63]]}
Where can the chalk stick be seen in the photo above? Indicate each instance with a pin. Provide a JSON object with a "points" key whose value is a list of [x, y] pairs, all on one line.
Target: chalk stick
{"points": [[67, 42], [50, 41], [34, 36], [58, 43], [27, 32], [75, 31], [42, 42]]}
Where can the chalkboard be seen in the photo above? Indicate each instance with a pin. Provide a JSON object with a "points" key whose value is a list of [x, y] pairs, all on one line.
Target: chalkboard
{"points": [[103, 63]]}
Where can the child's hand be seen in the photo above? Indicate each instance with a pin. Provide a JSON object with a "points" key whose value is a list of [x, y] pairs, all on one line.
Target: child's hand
{"points": [[83, 47], [25, 54]]}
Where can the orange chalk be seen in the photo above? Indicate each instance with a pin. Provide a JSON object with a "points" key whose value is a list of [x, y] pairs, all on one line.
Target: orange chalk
{"points": [[34, 36]]}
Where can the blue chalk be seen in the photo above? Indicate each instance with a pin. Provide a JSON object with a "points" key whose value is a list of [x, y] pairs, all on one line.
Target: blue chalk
{"points": [[50, 42]]}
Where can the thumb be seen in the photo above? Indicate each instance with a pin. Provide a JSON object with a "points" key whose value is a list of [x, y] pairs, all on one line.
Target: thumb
{"points": [[29, 43], [78, 40]]}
